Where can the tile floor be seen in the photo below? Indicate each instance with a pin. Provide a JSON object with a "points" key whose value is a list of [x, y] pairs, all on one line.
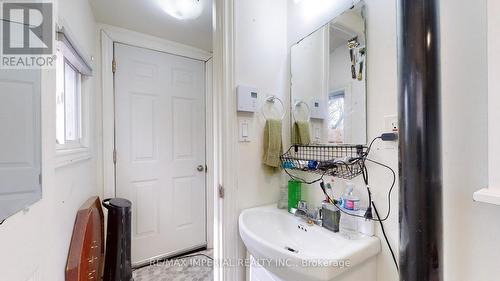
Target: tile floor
{"points": [[189, 268]]}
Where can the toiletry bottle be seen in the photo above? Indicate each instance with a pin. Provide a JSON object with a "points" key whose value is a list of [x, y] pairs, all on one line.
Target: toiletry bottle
{"points": [[348, 218], [283, 200], [349, 200], [294, 194]]}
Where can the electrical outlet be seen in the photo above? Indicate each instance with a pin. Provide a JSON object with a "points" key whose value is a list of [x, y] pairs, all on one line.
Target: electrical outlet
{"points": [[391, 123]]}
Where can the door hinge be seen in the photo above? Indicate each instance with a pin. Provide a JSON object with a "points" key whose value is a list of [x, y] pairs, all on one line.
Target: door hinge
{"points": [[114, 156], [113, 66], [221, 191], [40, 179]]}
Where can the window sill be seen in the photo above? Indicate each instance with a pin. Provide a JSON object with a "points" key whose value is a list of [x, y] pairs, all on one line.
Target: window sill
{"points": [[66, 157], [488, 195]]}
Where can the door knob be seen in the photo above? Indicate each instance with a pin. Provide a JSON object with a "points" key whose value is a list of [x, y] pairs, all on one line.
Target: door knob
{"points": [[200, 168]]}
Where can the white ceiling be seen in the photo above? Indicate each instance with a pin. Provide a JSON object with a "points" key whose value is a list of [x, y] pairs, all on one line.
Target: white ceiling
{"points": [[345, 27], [146, 16], [339, 36]]}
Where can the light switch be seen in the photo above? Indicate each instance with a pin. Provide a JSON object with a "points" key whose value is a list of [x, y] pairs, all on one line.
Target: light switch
{"points": [[244, 130], [317, 132]]}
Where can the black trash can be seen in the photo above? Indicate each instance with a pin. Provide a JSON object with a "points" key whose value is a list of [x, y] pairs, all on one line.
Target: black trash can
{"points": [[118, 261]]}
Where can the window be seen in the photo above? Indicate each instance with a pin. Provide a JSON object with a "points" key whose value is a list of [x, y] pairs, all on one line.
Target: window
{"points": [[69, 107], [72, 126], [336, 117], [336, 112]]}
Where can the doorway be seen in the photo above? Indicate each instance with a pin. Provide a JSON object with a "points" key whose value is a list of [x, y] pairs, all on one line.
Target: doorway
{"points": [[160, 144]]}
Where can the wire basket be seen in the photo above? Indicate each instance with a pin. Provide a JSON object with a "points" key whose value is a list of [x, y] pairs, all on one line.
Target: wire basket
{"points": [[341, 161]]}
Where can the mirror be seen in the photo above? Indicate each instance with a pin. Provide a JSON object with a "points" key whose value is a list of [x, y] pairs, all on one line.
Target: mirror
{"points": [[328, 82], [20, 140]]}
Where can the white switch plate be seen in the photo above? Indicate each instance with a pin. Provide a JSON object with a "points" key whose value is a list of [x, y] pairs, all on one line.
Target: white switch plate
{"points": [[244, 130], [317, 132]]}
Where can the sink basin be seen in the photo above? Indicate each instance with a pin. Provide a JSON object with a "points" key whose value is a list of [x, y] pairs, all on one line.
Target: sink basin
{"points": [[289, 249]]}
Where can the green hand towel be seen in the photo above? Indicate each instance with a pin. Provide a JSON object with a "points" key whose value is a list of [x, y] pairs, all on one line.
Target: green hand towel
{"points": [[273, 146], [301, 133]]}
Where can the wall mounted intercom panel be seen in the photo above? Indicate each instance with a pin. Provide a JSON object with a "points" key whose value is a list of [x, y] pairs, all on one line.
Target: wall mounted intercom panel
{"points": [[247, 98], [318, 109]]}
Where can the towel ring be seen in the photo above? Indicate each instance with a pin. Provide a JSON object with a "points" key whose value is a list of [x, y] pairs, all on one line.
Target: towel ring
{"points": [[272, 99], [298, 104]]}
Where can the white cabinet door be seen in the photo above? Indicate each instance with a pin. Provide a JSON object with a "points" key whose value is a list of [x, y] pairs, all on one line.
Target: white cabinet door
{"points": [[160, 143], [20, 142]]}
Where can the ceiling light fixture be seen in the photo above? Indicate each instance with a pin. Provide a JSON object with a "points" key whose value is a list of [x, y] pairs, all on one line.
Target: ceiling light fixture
{"points": [[182, 9]]}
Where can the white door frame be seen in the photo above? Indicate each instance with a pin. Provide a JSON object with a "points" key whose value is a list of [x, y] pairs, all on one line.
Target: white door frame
{"points": [[226, 246], [110, 35]]}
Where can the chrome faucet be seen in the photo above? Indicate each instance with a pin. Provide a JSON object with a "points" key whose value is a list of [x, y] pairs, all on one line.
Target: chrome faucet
{"points": [[310, 216]]}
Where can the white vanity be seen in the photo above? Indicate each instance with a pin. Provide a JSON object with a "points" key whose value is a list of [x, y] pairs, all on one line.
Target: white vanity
{"points": [[283, 247]]}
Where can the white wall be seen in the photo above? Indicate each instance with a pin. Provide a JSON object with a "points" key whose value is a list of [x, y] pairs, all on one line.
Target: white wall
{"points": [[381, 102], [494, 89], [471, 229], [34, 244], [260, 61]]}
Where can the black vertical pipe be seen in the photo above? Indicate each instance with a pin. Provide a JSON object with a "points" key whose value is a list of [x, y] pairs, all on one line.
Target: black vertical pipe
{"points": [[421, 219]]}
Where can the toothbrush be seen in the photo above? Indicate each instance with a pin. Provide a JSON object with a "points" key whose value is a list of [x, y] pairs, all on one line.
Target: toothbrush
{"points": [[352, 45], [362, 53], [360, 75], [329, 188]]}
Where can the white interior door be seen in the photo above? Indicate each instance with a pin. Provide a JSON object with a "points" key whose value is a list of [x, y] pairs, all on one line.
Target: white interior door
{"points": [[20, 140], [160, 144]]}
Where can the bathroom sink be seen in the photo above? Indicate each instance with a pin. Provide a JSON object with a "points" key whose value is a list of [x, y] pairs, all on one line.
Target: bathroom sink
{"points": [[292, 250]]}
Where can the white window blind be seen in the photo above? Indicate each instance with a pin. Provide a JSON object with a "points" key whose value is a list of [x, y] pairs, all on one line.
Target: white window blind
{"points": [[72, 54]]}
